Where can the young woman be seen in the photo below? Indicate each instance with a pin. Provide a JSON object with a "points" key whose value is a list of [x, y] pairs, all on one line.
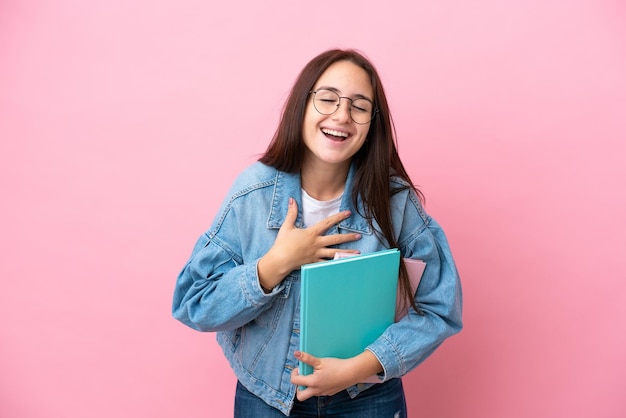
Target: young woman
{"points": [[331, 180]]}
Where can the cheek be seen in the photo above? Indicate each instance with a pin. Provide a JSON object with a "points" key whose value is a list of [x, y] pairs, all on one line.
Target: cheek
{"points": [[309, 126], [364, 131], [311, 120]]}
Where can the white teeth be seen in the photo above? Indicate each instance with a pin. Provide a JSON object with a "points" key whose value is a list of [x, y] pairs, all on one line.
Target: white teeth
{"points": [[335, 133]]}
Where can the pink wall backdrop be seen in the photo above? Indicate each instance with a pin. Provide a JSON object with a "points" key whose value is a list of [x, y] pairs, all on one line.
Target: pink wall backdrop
{"points": [[122, 123]]}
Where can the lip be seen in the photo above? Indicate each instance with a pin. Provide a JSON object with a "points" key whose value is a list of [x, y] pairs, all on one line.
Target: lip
{"points": [[335, 134]]}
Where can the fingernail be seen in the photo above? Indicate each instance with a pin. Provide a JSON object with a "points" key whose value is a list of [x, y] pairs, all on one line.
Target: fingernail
{"points": [[357, 236], [297, 354], [290, 201]]}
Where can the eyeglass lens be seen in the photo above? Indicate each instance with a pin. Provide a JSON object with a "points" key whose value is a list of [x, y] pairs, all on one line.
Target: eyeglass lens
{"points": [[327, 102]]}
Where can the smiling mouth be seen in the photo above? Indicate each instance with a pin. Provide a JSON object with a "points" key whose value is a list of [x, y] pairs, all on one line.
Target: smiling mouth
{"points": [[334, 135]]}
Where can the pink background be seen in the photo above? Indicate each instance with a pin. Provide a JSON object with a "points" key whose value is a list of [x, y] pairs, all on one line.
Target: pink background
{"points": [[122, 123]]}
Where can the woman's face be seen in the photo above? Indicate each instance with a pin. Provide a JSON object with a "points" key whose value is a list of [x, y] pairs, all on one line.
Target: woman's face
{"points": [[332, 140]]}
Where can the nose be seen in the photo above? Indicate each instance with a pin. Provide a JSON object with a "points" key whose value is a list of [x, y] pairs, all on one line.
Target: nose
{"points": [[342, 114]]}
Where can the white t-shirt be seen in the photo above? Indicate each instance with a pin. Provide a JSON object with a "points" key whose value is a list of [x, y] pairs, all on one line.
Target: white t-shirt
{"points": [[314, 210]]}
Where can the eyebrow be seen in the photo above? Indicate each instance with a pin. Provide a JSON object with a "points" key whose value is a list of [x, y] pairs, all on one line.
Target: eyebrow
{"points": [[336, 90]]}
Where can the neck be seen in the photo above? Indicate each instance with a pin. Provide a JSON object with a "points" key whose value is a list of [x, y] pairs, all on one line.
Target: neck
{"points": [[324, 183]]}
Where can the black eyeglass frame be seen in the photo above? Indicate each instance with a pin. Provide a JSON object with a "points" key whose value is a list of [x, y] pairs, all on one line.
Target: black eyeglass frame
{"points": [[374, 110]]}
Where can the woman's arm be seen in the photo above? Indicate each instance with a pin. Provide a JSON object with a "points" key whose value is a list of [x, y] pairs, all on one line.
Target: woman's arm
{"points": [[214, 293]]}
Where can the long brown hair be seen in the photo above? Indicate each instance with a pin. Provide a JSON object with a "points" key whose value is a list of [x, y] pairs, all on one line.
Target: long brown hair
{"points": [[375, 162]]}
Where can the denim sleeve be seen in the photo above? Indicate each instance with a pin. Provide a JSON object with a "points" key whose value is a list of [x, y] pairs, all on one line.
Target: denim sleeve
{"points": [[215, 293], [408, 342]]}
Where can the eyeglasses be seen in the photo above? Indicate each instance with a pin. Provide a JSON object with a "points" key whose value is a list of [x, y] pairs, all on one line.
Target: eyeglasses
{"points": [[327, 102]]}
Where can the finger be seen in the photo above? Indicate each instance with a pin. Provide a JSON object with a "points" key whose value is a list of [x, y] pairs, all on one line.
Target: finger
{"points": [[326, 224], [308, 359], [304, 394], [335, 239], [331, 253], [302, 390], [298, 379], [292, 213]]}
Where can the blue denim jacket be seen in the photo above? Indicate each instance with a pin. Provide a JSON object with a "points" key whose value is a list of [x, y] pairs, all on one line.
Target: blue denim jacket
{"points": [[218, 289]]}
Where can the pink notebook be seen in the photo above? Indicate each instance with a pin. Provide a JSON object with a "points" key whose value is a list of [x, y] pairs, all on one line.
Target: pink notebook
{"points": [[415, 268]]}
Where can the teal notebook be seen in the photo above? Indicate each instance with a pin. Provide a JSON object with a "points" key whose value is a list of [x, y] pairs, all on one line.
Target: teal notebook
{"points": [[346, 304]]}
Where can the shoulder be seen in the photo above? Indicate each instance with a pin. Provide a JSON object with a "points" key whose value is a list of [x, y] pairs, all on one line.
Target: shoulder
{"points": [[255, 176], [256, 172], [398, 183], [405, 200], [254, 183]]}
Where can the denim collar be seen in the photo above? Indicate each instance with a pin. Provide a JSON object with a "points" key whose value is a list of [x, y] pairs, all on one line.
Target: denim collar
{"points": [[288, 185]]}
